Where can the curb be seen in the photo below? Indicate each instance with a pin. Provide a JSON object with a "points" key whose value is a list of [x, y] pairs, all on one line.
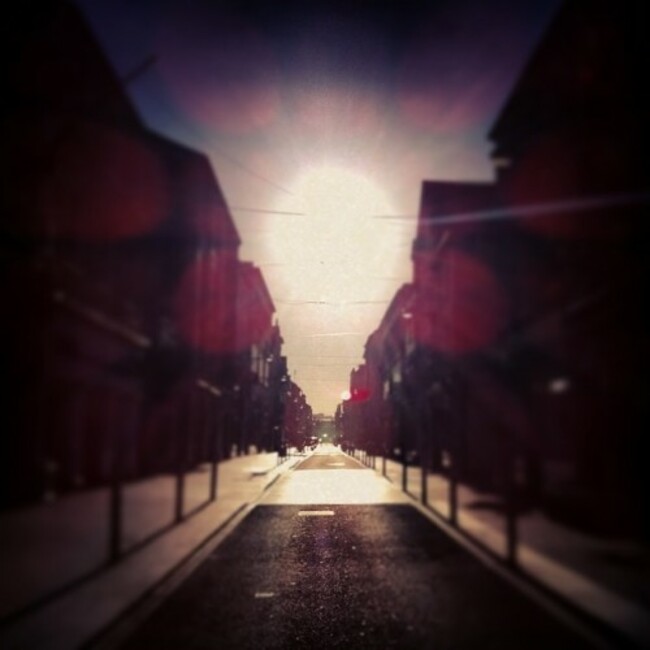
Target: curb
{"points": [[609, 618]]}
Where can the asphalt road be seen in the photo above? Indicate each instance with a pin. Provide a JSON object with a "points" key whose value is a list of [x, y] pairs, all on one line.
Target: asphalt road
{"points": [[346, 576]]}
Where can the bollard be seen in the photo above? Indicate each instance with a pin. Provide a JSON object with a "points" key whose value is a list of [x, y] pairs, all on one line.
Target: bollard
{"points": [[115, 520], [511, 511], [179, 496], [453, 493], [180, 472], [214, 479], [423, 484], [116, 498]]}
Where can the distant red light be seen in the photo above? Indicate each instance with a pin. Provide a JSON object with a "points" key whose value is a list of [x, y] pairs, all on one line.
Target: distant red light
{"points": [[359, 395]]}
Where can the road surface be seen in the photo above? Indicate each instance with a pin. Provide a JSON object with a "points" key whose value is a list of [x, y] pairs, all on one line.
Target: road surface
{"points": [[337, 574]]}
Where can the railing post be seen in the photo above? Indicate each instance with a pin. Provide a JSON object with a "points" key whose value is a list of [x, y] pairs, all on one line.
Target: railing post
{"points": [[115, 517], [116, 494], [511, 507], [180, 494], [424, 458], [180, 471], [214, 469], [423, 483], [214, 479], [115, 526], [453, 490]]}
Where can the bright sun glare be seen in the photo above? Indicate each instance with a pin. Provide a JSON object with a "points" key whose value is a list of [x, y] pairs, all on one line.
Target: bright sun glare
{"points": [[337, 246], [337, 268]]}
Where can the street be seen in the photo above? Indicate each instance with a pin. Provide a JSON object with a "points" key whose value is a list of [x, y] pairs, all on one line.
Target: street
{"points": [[325, 325], [300, 572]]}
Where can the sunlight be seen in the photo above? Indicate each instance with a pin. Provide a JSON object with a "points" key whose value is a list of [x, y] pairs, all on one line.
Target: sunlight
{"points": [[336, 247], [334, 487], [335, 257]]}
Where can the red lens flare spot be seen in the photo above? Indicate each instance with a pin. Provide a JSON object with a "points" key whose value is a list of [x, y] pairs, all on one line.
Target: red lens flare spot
{"points": [[201, 313], [548, 174], [99, 184], [341, 108], [463, 307], [459, 65], [219, 71], [430, 112]]}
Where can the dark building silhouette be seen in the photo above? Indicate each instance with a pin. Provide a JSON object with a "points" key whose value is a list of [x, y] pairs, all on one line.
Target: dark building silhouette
{"points": [[525, 357], [69, 326], [261, 374], [120, 273], [298, 418]]}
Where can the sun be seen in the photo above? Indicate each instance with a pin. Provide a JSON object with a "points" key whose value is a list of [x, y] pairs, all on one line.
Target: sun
{"points": [[337, 244]]}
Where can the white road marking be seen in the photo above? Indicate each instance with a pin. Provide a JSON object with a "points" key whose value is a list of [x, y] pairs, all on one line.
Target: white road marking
{"points": [[264, 594], [316, 513]]}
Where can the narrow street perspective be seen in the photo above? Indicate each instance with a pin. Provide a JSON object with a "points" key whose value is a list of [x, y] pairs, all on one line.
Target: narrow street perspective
{"points": [[325, 324], [311, 566]]}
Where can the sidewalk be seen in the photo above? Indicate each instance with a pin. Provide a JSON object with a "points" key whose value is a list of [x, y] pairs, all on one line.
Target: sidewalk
{"points": [[609, 579], [49, 545], [39, 545]]}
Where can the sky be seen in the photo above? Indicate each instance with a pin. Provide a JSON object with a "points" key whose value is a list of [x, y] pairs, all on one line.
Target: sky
{"points": [[319, 117]]}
